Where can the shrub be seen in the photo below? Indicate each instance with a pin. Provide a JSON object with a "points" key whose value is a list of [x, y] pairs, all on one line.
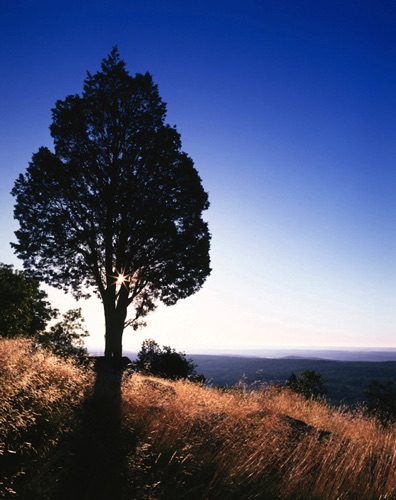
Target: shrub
{"points": [[309, 384], [165, 362], [381, 400]]}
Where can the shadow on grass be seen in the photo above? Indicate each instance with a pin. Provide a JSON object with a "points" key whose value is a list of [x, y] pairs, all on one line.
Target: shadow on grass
{"points": [[96, 462]]}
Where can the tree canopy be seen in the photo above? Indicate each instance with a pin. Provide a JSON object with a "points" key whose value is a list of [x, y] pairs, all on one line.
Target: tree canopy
{"points": [[66, 337], [116, 209], [25, 310]]}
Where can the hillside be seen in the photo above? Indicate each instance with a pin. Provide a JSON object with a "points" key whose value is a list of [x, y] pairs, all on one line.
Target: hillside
{"points": [[345, 380], [72, 432]]}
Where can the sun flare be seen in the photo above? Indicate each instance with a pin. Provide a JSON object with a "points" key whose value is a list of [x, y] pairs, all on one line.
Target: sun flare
{"points": [[120, 279]]}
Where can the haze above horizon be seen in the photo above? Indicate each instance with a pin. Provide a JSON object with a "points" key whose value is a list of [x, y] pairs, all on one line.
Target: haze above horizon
{"points": [[288, 110]]}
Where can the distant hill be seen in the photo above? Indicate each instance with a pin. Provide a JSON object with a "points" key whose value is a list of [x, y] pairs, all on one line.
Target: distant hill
{"points": [[345, 380], [346, 373], [335, 354]]}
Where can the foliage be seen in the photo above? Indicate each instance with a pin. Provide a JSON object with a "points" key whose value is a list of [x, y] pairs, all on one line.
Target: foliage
{"points": [[116, 208], [25, 312], [24, 309], [165, 362], [66, 338], [381, 400], [309, 384]]}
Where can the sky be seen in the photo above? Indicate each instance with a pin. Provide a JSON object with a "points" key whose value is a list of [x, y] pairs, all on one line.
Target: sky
{"points": [[288, 109]]}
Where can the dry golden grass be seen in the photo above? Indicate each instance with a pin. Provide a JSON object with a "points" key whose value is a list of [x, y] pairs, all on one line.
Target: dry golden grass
{"points": [[177, 440], [39, 397], [198, 442]]}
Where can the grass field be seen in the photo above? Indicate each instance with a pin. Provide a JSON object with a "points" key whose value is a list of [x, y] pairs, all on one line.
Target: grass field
{"points": [[72, 432]]}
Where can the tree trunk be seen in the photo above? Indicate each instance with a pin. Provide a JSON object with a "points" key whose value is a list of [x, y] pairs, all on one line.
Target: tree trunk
{"points": [[113, 342], [115, 319]]}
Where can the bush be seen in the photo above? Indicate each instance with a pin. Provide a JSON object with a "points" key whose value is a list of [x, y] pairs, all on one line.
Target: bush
{"points": [[165, 362], [309, 384], [381, 400]]}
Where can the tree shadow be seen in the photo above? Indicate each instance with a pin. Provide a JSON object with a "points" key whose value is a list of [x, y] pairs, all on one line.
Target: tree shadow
{"points": [[96, 460]]}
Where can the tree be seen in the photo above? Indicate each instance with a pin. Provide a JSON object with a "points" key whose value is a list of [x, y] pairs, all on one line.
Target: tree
{"points": [[66, 338], [165, 362], [309, 384], [117, 208], [24, 309], [381, 400]]}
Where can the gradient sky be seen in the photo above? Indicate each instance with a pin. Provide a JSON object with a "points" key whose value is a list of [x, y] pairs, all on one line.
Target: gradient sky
{"points": [[288, 109]]}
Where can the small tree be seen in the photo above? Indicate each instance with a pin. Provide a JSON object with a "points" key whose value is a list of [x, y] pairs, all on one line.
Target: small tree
{"points": [[66, 338], [24, 310], [116, 209], [165, 362], [309, 384], [381, 400]]}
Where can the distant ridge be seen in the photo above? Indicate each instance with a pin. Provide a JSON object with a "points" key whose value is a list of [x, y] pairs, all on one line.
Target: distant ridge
{"points": [[334, 354], [346, 373]]}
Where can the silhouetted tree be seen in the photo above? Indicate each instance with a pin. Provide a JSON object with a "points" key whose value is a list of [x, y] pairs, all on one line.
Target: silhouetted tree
{"points": [[117, 208], [165, 362], [24, 309], [381, 400], [66, 338], [309, 384]]}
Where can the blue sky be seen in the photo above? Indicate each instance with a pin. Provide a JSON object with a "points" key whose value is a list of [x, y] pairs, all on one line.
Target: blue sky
{"points": [[288, 109]]}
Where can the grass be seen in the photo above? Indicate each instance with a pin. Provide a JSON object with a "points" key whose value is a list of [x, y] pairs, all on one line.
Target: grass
{"points": [[40, 399], [199, 441], [178, 439]]}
